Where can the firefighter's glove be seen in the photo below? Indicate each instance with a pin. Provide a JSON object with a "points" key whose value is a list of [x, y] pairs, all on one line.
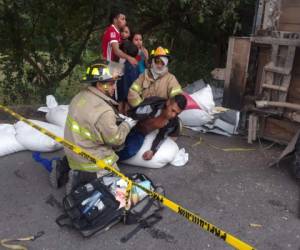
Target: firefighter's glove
{"points": [[130, 122]]}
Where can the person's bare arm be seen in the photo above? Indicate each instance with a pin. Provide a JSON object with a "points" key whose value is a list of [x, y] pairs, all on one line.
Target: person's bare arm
{"points": [[121, 54], [145, 51], [172, 129]]}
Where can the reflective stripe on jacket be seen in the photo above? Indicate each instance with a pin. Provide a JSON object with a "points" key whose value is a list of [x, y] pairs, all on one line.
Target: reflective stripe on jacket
{"points": [[165, 86], [91, 124]]}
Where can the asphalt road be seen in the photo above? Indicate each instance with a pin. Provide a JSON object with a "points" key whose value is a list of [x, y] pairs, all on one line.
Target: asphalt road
{"points": [[232, 190]]}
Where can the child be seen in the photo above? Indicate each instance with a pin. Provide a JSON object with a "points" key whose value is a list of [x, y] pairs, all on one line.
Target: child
{"points": [[131, 73], [143, 55], [125, 34]]}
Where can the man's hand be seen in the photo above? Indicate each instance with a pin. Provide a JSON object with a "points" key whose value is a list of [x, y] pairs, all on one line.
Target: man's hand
{"points": [[148, 155], [132, 61]]}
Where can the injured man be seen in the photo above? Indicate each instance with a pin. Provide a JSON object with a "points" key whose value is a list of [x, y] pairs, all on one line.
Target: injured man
{"points": [[154, 113]]}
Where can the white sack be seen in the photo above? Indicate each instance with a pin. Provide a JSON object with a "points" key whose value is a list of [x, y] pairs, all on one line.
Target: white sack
{"points": [[8, 141], [55, 114], [58, 115], [204, 98], [34, 140], [194, 117], [180, 159], [165, 154]]}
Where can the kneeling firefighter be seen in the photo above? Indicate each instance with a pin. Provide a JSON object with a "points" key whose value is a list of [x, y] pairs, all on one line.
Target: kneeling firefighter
{"points": [[92, 125]]}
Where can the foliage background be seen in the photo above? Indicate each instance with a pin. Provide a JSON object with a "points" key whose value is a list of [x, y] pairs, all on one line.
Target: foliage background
{"points": [[46, 45]]}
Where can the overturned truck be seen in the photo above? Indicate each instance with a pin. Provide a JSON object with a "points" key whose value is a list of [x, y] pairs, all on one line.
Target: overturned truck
{"points": [[262, 75]]}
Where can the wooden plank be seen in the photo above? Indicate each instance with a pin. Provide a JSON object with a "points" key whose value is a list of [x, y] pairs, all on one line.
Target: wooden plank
{"points": [[290, 27], [229, 62], [259, 15], [282, 56], [274, 53], [290, 15], [272, 40], [268, 78], [275, 81], [286, 84], [279, 130], [289, 19], [285, 80], [294, 89], [264, 57], [266, 19], [290, 57], [250, 128], [254, 127], [236, 72], [296, 66], [270, 67], [290, 3], [275, 87]]}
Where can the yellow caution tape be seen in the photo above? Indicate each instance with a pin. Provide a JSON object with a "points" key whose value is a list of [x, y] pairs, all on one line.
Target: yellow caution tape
{"points": [[7, 242], [201, 140], [192, 217], [255, 225]]}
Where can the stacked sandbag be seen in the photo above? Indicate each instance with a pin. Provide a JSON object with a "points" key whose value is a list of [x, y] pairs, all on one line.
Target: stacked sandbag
{"points": [[21, 136], [8, 141], [34, 140], [204, 98], [194, 117], [167, 153], [55, 114], [190, 102]]}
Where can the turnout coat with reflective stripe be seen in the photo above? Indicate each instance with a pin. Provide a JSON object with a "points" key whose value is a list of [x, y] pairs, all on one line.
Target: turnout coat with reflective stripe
{"points": [[165, 86], [91, 124]]}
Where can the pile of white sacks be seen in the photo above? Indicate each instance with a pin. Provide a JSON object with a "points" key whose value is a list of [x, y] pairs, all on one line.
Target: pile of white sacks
{"points": [[199, 109], [201, 113], [20, 136]]}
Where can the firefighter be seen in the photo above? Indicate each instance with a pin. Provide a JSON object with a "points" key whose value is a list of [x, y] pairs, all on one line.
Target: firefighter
{"points": [[92, 125], [156, 81]]}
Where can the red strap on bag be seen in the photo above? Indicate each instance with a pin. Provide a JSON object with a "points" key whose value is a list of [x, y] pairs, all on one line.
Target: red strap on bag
{"points": [[191, 104]]}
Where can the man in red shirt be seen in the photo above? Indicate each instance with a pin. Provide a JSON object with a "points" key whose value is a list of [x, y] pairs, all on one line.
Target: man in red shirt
{"points": [[111, 39]]}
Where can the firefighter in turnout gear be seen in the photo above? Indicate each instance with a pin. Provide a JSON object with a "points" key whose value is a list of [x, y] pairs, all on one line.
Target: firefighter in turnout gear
{"points": [[156, 81], [92, 123]]}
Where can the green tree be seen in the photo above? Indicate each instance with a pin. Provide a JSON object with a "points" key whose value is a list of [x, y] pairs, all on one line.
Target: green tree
{"points": [[196, 31], [42, 41], [46, 44]]}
